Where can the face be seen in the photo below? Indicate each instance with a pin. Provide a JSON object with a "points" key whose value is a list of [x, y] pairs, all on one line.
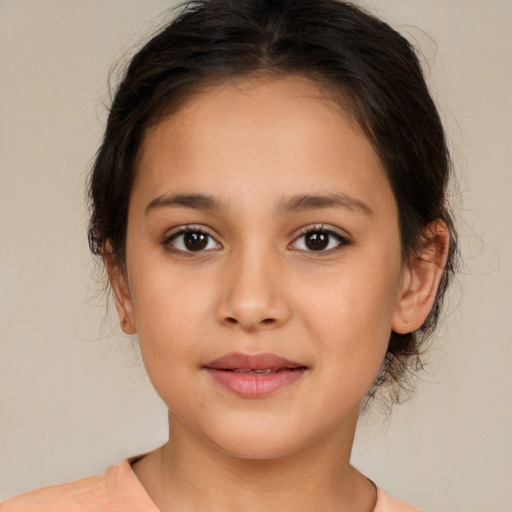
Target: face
{"points": [[263, 268]]}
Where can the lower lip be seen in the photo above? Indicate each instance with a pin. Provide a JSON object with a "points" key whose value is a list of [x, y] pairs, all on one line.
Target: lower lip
{"points": [[253, 385]]}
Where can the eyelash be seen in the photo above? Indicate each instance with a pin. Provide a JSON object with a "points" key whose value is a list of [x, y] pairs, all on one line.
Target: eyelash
{"points": [[342, 241], [181, 232]]}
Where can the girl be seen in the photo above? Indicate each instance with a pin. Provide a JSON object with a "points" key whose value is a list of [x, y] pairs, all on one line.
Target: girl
{"points": [[269, 202]]}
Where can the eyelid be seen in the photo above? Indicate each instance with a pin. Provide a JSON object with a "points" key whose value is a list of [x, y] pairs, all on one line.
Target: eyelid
{"points": [[343, 237], [187, 228], [184, 229]]}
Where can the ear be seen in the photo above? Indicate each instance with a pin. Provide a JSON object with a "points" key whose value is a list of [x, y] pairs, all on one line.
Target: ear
{"points": [[120, 289], [420, 279]]}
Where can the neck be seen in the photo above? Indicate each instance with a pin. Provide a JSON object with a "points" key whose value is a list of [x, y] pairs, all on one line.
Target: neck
{"points": [[188, 474]]}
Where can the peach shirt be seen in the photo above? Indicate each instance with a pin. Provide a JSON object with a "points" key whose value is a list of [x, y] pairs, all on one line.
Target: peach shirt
{"points": [[119, 490]]}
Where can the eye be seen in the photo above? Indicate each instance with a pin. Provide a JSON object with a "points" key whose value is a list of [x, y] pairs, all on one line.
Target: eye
{"points": [[319, 240], [189, 240]]}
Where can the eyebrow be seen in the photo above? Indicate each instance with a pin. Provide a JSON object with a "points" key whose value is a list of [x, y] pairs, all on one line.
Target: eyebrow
{"points": [[305, 202], [298, 203], [194, 201]]}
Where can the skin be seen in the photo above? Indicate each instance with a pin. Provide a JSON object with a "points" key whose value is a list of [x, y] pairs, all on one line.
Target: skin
{"points": [[253, 146]]}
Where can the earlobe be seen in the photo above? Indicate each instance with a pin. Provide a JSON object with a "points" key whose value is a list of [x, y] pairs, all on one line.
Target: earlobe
{"points": [[120, 290], [421, 279]]}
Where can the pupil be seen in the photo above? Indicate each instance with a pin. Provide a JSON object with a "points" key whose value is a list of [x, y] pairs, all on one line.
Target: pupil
{"points": [[317, 241], [195, 241]]}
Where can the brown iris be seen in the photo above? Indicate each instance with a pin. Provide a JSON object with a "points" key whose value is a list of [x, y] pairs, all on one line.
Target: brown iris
{"points": [[316, 240], [195, 241]]}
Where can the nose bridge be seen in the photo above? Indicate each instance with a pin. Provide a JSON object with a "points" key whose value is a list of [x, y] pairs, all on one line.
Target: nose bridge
{"points": [[253, 296]]}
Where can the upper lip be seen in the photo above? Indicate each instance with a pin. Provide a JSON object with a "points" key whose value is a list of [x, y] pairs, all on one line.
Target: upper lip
{"points": [[265, 361]]}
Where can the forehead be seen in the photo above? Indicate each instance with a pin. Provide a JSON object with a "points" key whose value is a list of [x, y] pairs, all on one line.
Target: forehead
{"points": [[274, 135]]}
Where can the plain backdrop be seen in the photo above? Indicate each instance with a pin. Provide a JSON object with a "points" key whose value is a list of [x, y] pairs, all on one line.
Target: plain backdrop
{"points": [[74, 399]]}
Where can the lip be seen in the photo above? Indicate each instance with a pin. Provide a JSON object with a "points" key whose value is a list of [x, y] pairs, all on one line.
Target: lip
{"points": [[238, 373]]}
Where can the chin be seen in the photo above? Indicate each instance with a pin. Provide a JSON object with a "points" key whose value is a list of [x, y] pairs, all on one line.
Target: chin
{"points": [[260, 450], [262, 441]]}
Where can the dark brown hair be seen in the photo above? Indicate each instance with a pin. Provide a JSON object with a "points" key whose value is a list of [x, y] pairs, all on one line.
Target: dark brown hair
{"points": [[375, 72]]}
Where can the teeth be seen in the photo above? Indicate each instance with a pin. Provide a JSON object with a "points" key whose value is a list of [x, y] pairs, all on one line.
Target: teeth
{"points": [[259, 372]]}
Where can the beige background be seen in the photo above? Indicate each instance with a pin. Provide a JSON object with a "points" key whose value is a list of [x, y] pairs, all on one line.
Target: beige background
{"points": [[72, 402]]}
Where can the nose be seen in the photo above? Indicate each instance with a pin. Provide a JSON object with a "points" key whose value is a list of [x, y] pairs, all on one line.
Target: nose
{"points": [[253, 292]]}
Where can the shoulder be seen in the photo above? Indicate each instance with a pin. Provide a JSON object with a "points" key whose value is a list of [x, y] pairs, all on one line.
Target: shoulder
{"points": [[116, 490], [81, 495], [387, 503]]}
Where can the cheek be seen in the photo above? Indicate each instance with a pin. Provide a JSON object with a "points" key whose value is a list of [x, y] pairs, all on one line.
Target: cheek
{"points": [[350, 312], [352, 299], [170, 312]]}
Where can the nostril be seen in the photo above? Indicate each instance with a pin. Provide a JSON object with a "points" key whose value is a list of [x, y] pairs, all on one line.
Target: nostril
{"points": [[265, 321]]}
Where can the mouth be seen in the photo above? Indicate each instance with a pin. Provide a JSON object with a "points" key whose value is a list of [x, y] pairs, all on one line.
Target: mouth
{"points": [[267, 371], [254, 376]]}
